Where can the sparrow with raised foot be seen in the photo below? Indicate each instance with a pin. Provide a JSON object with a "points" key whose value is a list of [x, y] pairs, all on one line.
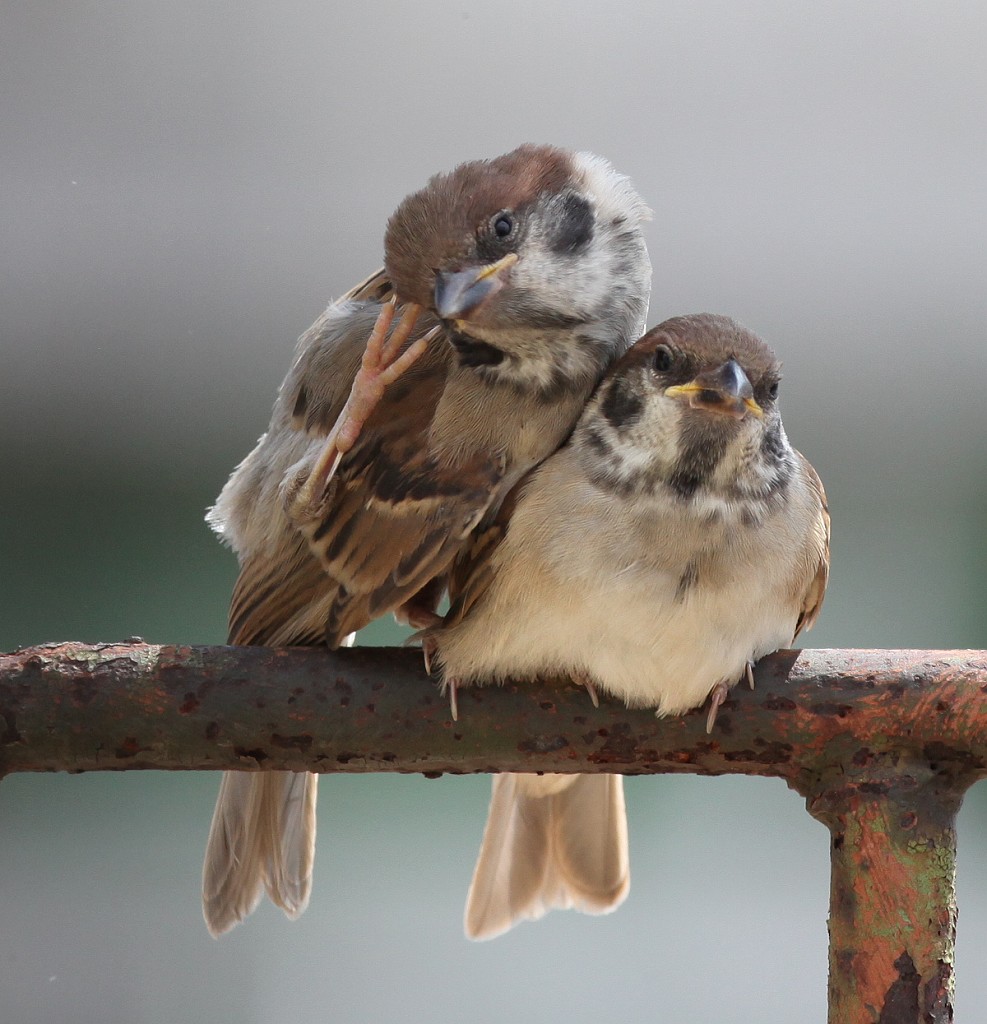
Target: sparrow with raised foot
{"points": [[672, 542], [532, 272]]}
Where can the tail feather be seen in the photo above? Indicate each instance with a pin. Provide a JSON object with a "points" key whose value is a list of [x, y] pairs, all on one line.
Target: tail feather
{"points": [[552, 842], [288, 876], [262, 837]]}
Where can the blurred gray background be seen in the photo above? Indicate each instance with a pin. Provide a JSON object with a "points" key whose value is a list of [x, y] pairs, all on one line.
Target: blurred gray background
{"points": [[183, 187]]}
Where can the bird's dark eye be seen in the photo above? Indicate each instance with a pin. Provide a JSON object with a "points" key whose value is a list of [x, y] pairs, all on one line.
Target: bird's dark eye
{"points": [[773, 389], [503, 224], [664, 358]]}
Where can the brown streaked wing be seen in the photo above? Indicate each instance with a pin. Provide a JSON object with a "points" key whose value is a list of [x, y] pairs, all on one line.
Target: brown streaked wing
{"points": [[472, 572], [393, 519], [281, 598], [816, 590], [384, 549], [396, 518]]}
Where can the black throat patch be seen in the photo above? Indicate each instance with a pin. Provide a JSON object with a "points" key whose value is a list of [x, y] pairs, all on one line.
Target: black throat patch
{"points": [[699, 455], [473, 352]]}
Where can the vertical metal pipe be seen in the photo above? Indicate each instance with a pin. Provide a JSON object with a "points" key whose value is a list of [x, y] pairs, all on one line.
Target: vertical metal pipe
{"points": [[892, 919]]}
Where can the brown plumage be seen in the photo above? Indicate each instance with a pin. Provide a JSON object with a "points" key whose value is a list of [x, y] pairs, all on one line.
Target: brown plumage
{"points": [[672, 542], [534, 268], [437, 226]]}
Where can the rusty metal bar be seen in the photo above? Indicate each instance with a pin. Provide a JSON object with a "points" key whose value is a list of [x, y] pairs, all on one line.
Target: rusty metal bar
{"points": [[73, 707], [882, 744], [892, 915]]}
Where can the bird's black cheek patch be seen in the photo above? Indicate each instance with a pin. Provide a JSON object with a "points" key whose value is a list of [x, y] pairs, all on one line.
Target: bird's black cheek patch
{"points": [[772, 445], [575, 228], [622, 406]]}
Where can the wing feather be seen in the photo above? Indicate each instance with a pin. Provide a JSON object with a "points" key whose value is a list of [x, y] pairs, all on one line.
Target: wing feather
{"points": [[395, 515], [473, 570], [816, 589]]}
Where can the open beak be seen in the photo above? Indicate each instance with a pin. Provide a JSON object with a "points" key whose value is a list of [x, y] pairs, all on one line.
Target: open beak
{"points": [[725, 390], [459, 292]]}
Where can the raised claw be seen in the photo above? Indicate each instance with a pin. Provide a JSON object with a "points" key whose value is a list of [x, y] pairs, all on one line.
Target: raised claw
{"points": [[382, 363], [716, 697], [453, 686], [585, 680]]}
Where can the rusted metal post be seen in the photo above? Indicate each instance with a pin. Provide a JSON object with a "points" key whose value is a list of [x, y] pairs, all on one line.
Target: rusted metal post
{"points": [[892, 918]]}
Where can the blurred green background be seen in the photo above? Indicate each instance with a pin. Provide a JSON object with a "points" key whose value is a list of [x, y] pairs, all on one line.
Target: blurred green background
{"points": [[183, 187]]}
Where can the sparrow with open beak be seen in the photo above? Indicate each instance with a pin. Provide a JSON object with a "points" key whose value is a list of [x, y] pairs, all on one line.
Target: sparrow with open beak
{"points": [[529, 275], [671, 543]]}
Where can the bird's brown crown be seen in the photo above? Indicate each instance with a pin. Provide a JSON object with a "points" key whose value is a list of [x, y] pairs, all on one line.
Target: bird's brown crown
{"points": [[704, 340], [438, 225]]}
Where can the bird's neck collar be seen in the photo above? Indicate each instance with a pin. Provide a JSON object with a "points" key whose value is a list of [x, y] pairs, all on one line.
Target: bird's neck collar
{"points": [[537, 362]]}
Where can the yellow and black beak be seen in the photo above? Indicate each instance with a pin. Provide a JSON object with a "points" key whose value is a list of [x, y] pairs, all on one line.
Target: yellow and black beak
{"points": [[459, 292], [725, 390]]}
